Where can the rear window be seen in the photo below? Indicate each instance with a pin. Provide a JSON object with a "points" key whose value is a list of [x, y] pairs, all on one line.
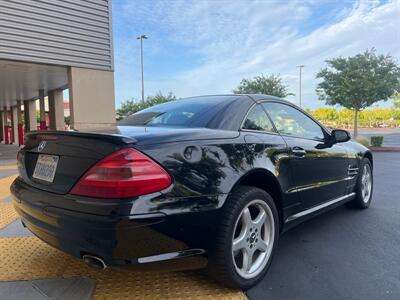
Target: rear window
{"points": [[186, 112]]}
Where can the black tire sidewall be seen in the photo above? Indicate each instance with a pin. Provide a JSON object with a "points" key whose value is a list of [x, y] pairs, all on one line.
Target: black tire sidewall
{"points": [[231, 212]]}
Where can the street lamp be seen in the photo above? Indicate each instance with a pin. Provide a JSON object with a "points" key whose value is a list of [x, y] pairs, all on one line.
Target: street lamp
{"points": [[141, 37], [300, 69]]}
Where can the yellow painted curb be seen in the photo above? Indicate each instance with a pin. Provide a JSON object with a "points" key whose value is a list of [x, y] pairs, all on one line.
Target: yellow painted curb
{"points": [[8, 167], [26, 258], [5, 184], [7, 214]]}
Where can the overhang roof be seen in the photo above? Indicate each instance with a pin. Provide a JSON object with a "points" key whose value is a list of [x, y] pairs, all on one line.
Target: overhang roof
{"points": [[22, 81]]}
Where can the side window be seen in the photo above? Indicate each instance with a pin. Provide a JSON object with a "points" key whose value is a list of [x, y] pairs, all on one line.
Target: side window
{"points": [[257, 119], [291, 121]]}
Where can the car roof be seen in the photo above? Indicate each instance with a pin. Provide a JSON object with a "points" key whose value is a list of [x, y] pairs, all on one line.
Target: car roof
{"points": [[254, 97], [227, 113]]}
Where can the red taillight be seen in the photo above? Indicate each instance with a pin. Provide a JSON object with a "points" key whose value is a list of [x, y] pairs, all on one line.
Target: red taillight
{"points": [[123, 174]]}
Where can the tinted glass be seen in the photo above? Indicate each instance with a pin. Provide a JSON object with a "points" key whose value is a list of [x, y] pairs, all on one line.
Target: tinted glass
{"points": [[257, 119], [175, 113], [291, 121]]}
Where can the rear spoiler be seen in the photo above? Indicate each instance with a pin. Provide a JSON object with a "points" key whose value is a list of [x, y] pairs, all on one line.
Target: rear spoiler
{"points": [[109, 137]]}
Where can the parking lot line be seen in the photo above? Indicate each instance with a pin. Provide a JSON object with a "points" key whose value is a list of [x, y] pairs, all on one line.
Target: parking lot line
{"points": [[8, 167], [26, 258]]}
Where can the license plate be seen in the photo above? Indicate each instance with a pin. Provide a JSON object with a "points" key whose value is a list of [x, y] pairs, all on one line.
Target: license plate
{"points": [[45, 168]]}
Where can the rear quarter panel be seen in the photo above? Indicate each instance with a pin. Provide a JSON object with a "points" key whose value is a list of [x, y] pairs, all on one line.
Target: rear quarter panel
{"points": [[205, 172]]}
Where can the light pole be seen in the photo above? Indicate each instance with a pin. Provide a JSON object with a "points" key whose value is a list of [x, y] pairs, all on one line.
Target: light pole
{"points": [[300, 69], [141, 37]]}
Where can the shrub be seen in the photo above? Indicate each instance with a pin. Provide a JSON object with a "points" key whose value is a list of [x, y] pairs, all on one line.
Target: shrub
{"points": [[377, 141], [363, 141]]}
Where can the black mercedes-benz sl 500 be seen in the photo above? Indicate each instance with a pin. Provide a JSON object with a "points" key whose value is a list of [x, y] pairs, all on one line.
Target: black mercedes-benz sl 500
{"points": [[212, 177]]}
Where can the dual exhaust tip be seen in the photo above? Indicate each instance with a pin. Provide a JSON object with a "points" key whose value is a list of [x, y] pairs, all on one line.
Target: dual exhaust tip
{"points": [[94, 261]]}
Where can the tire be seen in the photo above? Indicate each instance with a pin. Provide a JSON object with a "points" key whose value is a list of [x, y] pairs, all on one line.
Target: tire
{"points": [[228, 266], [362, 200]]}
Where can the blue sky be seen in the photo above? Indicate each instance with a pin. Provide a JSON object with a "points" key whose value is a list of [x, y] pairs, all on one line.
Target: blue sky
{"points": [[207, 47]]}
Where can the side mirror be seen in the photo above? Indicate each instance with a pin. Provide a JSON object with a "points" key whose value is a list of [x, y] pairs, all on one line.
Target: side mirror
{"points": [[340, 136]]}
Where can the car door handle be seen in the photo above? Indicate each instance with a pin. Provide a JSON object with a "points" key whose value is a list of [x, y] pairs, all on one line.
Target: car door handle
{"points": [[298, 151]]}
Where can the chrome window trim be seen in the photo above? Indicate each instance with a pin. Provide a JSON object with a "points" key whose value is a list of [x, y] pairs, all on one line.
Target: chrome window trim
{"points": [[288, 103], [301, 137], [258, 131], [323, 129]]}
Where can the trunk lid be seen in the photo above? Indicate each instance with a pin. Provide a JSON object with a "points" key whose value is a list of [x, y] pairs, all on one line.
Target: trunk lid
{"points": [[76, 153]]}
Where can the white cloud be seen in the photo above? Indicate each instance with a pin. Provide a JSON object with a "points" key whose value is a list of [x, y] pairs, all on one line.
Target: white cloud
{"points": [[236, 39]]}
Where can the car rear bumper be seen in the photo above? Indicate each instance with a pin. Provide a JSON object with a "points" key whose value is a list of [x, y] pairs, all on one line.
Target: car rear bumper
{"points": [[80, 226]]}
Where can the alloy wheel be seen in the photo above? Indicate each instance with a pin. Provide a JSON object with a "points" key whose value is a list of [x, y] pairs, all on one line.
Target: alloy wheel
{"points": [[366, 183], [253, 239]]}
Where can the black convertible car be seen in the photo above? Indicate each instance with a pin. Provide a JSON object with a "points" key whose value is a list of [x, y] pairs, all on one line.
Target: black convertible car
{"points": [[212, 177]]}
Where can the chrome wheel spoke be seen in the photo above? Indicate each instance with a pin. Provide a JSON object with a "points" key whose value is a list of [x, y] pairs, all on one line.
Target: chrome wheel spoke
{"points": [[246, 219], [260, 219], [239, 243], [262, 246], [247, 260]]}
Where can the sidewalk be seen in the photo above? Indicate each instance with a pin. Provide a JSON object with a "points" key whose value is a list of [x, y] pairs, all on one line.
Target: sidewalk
{"points": [[391, 136], [8, 154]]}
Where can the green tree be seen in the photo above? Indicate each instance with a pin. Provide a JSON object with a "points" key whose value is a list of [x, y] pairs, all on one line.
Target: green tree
{"points": [[268, 85], [129, 107], [359, 81]]}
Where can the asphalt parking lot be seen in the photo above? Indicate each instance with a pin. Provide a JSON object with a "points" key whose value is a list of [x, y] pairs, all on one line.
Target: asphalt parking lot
{"points": [[343, 254]]}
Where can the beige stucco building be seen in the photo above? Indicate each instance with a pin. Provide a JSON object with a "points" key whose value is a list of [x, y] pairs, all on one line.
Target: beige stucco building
{"points": [[48, 46]]}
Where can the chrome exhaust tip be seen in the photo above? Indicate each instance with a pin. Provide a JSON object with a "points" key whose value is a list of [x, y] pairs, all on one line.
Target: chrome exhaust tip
{"points": [[94, 261]]}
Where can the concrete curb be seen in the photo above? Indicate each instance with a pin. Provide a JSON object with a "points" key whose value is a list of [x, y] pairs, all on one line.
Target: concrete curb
{"points": [[384, 149]]}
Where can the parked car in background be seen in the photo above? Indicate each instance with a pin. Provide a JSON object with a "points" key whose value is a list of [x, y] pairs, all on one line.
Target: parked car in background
{"points": [[216, 176]]}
